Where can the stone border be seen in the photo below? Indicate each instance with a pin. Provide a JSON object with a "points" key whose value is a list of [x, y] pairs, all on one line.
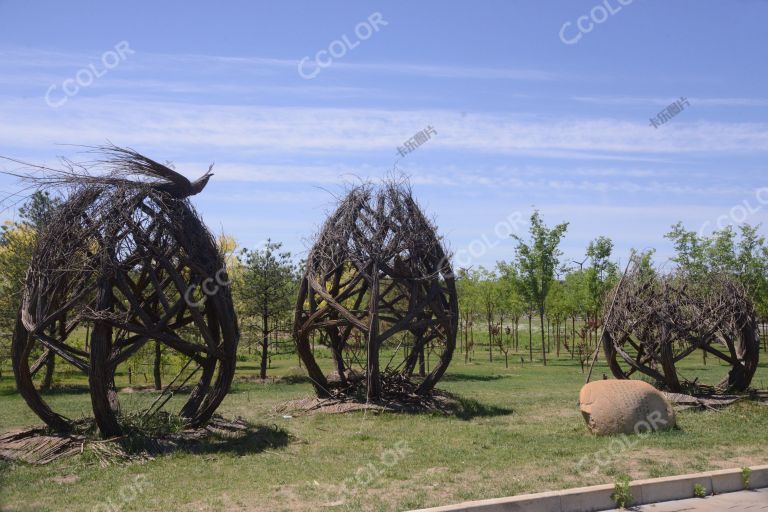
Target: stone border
{"points": [[598, 497]]}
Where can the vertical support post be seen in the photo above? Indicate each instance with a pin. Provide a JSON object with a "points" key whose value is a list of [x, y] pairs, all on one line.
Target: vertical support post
{"points": [[101, 379], [372, 373]]}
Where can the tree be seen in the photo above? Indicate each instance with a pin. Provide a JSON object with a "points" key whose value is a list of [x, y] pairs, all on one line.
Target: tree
{"points": [[645, 262], [468, 288], [574, 301], [267, 290], [690, 250], [38, 210], [743, 255], [17, 242], [537, 261], [490, 298], [752, 262], [512, 300], [601, 275], [16, 245], [558, 308]]}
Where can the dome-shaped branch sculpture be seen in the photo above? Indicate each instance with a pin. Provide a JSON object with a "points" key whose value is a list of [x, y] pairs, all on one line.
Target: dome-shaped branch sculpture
{"points": [[123, 261], [654, 322], [379, 290]]}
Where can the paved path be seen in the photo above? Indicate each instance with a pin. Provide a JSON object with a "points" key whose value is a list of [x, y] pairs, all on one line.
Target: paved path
{"points": [[750, 501]]}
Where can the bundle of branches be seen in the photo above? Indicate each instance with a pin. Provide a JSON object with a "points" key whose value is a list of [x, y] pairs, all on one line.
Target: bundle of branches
{"points": [[656, 321], [398, 394], [39, 446], [378, 285], [123, 259]]}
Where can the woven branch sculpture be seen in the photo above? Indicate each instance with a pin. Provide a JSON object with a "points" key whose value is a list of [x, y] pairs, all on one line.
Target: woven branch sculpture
{"points": [[380, 293], [656, 321], [124, 260]]}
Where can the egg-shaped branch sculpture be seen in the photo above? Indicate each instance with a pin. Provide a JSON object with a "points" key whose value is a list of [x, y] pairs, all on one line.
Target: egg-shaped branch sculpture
{"points": [[379, 291], [654, 322], [128, 262]]}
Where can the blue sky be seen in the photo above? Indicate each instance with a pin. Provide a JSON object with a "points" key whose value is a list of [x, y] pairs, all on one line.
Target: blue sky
{"points": [[522, 118]]}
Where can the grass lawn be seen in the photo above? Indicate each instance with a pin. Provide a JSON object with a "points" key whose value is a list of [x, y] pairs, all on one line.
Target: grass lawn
{"points": [[520, 432]]}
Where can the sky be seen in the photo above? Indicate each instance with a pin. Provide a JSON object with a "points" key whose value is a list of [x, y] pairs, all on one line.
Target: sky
{"points": [[551, 105]]}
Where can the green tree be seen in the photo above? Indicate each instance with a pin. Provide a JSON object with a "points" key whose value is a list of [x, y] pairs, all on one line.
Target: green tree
{"points": [[38, 210], [690, 250], [537, 260], [490, 297], [574, 302], [645, 261], [513, 301], [17, 242], [557, 307], [267, 290], [752, 262], [743, 255], [468, 289], [601, 275]]}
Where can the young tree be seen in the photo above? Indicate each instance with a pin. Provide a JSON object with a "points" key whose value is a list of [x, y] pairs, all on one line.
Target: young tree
{"points": [[752, 262], [575, 300], [514, 302], [267, 290], [557, 307], [537, 261], [601, 275], [467, 287], [490, 298], [690, 249], [741, 255]]}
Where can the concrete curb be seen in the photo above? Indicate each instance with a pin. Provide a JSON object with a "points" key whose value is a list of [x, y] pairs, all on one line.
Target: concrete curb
{"points": [[598, 497]]}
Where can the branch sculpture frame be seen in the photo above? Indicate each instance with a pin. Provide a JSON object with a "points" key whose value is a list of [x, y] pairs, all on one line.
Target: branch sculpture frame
{"points": [[377, 279], [128, 259], [654, 322]]}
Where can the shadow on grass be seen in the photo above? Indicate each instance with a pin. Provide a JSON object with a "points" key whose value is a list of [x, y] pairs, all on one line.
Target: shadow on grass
{"points": [[5, 465], [468, 377], [8, 391], [469, 408], [256, 439], [285, 379], [295, 379]]}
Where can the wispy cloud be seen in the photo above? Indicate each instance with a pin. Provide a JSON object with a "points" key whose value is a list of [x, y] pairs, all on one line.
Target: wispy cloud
{"points": [[41, 58], [299, 129], [702, 101]]}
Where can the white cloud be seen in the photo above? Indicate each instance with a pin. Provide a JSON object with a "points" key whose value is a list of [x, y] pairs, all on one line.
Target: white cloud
{"points": [[43, 58], [663, 102], [31, 122]]}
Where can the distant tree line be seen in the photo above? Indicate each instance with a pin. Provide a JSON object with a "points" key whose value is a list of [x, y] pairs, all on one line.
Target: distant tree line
{"points": [[534, 288]]}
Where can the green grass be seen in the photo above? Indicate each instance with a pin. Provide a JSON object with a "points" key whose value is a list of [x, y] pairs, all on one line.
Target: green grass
{"points": [[521, 431]]}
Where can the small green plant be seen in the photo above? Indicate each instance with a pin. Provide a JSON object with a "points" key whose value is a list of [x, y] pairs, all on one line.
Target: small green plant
{"points": [[699, 491], [141, 430], [745, 474], [622, 494]]}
